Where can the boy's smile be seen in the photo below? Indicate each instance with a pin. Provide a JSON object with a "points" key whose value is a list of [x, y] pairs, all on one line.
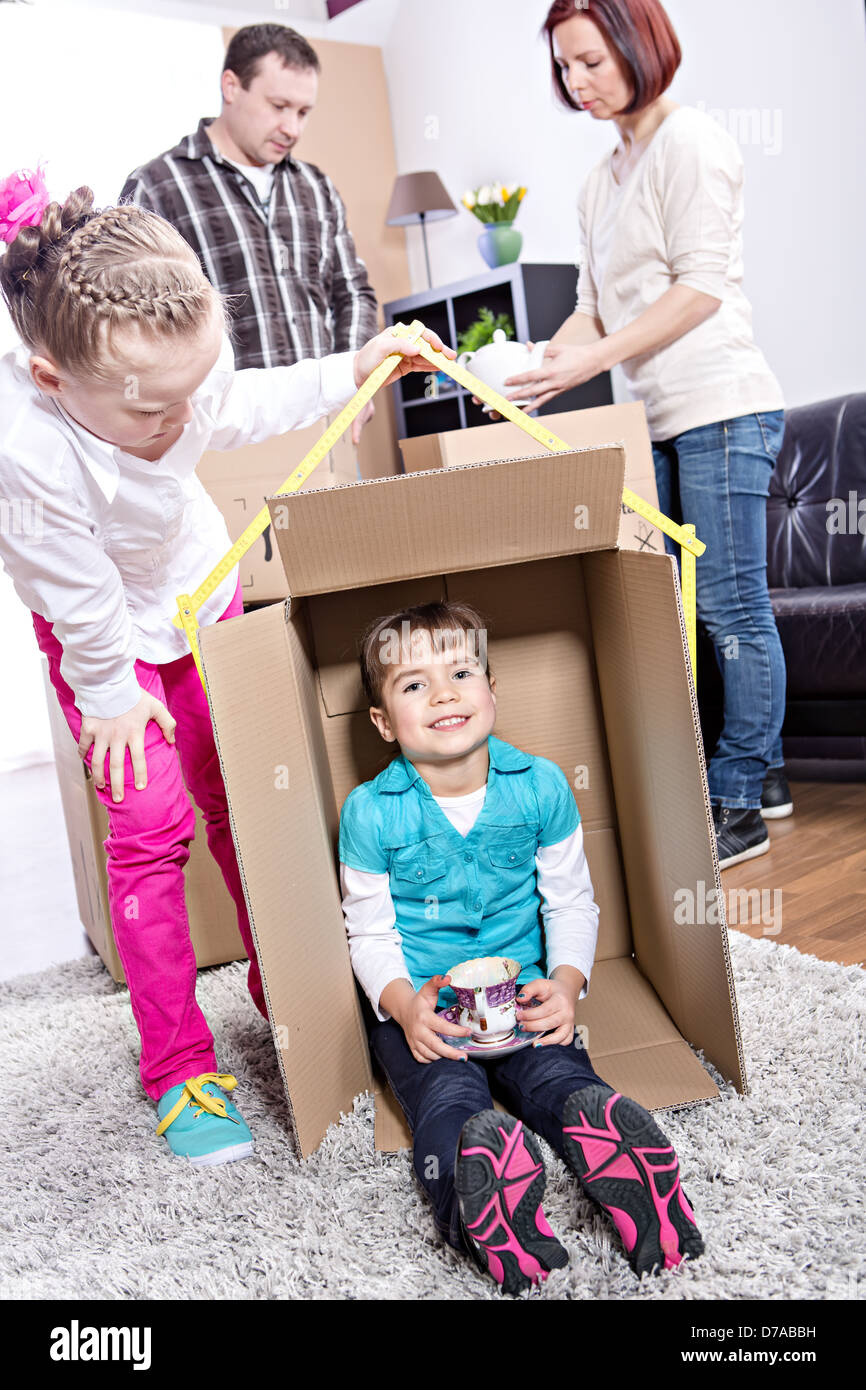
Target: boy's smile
{"points": [[452, 721]]}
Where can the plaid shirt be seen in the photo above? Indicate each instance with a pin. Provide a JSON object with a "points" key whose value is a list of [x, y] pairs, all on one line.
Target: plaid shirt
{"points": [[301, 290]]}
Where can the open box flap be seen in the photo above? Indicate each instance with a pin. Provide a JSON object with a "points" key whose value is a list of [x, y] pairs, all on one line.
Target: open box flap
{"points": [[662, 801], [416, 524], [263, 698]]}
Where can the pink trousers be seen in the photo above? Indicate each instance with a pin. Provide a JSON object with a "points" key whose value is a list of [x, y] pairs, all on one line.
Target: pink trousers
{"points": [[150, 832]]}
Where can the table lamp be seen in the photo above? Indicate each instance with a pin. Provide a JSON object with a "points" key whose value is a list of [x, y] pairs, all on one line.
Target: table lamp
{"points": [[419, 198]]}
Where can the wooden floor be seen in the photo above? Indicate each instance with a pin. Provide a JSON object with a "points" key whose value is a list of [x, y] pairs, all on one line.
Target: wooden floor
{"points": [[812, 884]]}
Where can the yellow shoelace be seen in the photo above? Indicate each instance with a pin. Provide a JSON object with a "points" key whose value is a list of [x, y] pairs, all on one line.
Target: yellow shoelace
{"points": [[193, 1094]]}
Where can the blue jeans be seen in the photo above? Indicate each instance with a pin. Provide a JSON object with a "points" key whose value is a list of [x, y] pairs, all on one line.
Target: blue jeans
{"points": [[439, 1097], [718, 477]]}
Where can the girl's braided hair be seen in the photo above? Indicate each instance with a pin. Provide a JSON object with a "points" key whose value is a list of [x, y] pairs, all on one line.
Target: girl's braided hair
{"points": [[82, 275]]}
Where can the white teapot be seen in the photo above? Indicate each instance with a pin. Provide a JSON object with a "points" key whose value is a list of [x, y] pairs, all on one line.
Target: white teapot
{"points": [[500, 359]]}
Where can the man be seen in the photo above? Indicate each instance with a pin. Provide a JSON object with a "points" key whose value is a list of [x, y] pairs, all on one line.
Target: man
{"points": [[269, 230]]}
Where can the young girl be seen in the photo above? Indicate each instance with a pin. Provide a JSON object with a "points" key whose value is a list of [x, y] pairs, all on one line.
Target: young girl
{"points": [[490, 835], [123, 380]]}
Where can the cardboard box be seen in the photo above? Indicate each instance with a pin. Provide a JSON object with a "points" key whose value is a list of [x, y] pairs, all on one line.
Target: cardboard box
{"points": [[240, 481], [584, 429], [213, 917], [588, 645]]}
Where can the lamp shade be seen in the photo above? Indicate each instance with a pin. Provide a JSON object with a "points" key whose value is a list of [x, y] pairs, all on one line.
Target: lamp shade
{"points": [[419, 198]]}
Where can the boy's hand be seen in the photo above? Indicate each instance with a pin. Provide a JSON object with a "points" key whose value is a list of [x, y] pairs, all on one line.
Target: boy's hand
{"points": [[422, 1025], [554, 1012], [380, 347]]}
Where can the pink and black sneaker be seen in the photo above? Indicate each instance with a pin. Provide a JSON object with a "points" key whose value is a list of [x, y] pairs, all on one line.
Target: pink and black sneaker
{"points": [[499, 1179], [628, 1167]]}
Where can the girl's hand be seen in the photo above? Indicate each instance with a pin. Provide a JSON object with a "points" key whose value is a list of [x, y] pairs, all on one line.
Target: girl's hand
{"points": [[114, 736], [422, 1025], [555, 1011], [563, 366], [380, 347]]}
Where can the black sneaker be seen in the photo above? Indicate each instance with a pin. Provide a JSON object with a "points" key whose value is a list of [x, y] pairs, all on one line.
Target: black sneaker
{"points": [[739, 835], [776, 799]]}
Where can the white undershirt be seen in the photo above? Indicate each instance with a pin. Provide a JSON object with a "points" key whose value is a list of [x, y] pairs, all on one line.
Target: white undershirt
{"points": [[568, 908], [463, 811], [260, 176]]}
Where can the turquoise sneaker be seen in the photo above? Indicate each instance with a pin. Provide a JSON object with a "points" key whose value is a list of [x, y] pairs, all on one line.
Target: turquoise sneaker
{"points": [[200, 1124]]}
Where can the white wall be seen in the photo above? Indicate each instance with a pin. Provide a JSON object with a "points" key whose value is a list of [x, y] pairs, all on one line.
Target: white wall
{"points": [[471, 97]]}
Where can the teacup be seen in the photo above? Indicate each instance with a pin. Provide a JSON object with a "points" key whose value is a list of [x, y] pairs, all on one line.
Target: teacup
{"points": [[486, 989]]}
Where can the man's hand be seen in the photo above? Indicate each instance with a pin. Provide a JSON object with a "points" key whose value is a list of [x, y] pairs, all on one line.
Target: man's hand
{"points": [[114, 736], [360, 421], [380, 347], [422, 1025], [554, 1013], [562, 367]]}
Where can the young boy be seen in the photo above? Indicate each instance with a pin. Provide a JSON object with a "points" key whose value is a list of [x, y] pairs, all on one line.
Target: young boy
{"points": [[451, 853]]}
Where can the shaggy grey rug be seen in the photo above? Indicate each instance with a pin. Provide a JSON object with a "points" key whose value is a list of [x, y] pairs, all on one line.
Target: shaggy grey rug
{"points": [[92, 1205]]}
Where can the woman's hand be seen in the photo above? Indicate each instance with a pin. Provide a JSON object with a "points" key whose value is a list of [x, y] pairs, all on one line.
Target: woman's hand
{"points": [[422, 1025], [380, 347], [563, 366], [114, 736], [554, 1013]]}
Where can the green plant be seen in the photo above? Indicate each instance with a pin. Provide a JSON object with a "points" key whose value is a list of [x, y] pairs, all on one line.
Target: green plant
{"points": [[480, 333]]}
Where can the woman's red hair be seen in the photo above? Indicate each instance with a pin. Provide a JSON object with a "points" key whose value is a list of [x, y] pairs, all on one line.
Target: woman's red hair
{"points": [[638, 31]]}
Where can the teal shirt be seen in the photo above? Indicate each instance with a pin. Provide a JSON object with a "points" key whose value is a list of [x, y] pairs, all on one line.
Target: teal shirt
{"points": [[455, 896]]}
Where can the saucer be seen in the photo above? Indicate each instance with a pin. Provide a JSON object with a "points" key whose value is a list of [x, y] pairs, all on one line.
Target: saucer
{"points": [[518, 1039]]}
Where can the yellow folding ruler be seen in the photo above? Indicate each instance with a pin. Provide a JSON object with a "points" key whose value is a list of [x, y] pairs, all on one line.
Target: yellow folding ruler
{"points": [[189, 604]]}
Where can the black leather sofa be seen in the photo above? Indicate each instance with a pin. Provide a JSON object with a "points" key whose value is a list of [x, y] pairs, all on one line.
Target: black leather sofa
{"points": [[816, 570]]}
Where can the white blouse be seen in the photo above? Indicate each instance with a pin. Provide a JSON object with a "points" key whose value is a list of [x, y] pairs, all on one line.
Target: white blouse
{"points": [[568, 908], [101, 543], [677, 220]]}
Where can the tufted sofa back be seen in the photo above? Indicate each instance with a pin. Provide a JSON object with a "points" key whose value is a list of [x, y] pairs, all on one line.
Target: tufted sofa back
{"points": [[816, 514]]}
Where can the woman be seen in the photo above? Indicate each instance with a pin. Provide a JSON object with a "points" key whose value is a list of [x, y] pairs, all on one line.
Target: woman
{"points": [[660, 293]]}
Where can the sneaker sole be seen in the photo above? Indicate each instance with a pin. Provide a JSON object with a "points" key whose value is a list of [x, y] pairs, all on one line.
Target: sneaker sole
{"points": [[752, 853], [227, 1155], [610, 1143], [778, 812], [499, 1179]]}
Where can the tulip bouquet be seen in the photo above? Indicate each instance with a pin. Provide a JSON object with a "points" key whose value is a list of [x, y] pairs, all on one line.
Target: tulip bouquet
{"points": [[495, 202]]}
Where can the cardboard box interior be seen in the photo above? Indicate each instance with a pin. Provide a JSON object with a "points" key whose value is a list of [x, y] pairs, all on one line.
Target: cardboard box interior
{"points": [[587, 645]]}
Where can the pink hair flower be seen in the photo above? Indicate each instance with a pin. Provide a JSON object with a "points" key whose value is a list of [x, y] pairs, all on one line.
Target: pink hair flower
{"points": [[23, 199]]}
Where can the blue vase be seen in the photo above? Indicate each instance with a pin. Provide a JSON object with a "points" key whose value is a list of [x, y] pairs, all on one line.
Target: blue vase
{"points": [[500, 244]]}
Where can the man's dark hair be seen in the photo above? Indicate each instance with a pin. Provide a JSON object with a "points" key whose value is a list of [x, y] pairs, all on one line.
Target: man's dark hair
{"points": [[257, 41]]}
